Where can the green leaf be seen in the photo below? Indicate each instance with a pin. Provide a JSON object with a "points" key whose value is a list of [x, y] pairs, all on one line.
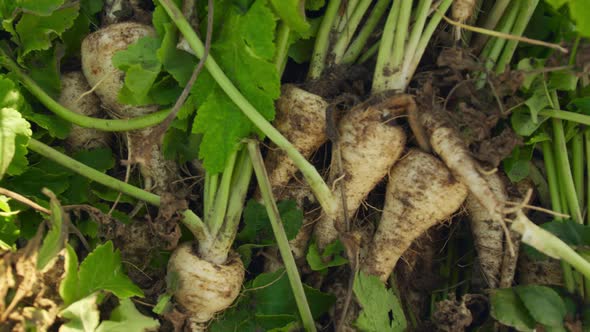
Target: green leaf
{"points": [[257, 227], [382, 310], [57, 236], [36, 32], [126, 318], [68, 288], [55, 126], [543, 303], [273, 296], [244, 50], [517, 165], [141, 66], [83, 315], [536, 103], [579, 12], [314, 4], [523, 124], [563, 81], [292, 12], [102, 270], [180, 146], [44, 70], [508, 309], [332, 256], [9, 231], [14, 137], [40, 7]]}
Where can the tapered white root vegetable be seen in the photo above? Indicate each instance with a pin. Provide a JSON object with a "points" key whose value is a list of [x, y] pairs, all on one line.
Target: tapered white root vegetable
{"points": [[97, 51], [74, 96], [301, 118], [446, 143], [421, 192], [368, 147], [201, 287], [488, 235]]}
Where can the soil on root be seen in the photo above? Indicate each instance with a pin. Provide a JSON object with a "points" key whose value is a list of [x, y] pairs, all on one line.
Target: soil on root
{"points": [[452, 91]]}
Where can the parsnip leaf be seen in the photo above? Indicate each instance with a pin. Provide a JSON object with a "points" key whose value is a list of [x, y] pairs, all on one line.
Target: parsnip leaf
{"points": [[244, 50], [37, 32], [257, 228], [69, 284], [40, 7], [381, 309], [9, 231], [126, 318], [141, 66], [15, 131], [57, 236], [102, 270], [292, 12], [83, 315], [543, 303], [579, 12]]}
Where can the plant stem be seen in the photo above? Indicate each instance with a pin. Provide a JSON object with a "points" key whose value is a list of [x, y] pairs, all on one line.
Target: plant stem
{"points": [[281, 236], [348, 31], [215, 220], [587, 145], [280, 59], [414, 59], [191, 220], [322, 41], [565, 115], [381, 74], [548, 243], [355, 49], [552, 180], [417, 30], [527, 8], [220, 247], [73, 117], [314, 179], [491, 20], [211, 185], [577, 149]]}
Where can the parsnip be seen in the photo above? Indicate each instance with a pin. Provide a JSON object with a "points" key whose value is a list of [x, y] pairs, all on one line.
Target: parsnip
{"points": [[368, 147], [75, 97], [201, 287], [421, 192], [97, 50]]}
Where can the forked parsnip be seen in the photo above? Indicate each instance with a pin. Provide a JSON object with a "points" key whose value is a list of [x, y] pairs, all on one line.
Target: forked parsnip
{"points": [[421, 192], [74, 95], [98, 49], [368, 143]]}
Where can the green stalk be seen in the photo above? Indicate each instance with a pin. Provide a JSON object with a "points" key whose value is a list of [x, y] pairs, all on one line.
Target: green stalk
{"points": [[527, 8], [215, 219], [587, 145], [491, 20], [549, 244], [191, 220], [346, 34], [373, 49], [381, 75], [417, 30], [399, 41], [221, 246], [281, 236], [540, 183], [211, 185], [280, 59], [355, 49], [577, 149], [565, 115], [322, 41], [552, 180], [339, 24], [314, 179], [414, 59], [73, 117]]}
